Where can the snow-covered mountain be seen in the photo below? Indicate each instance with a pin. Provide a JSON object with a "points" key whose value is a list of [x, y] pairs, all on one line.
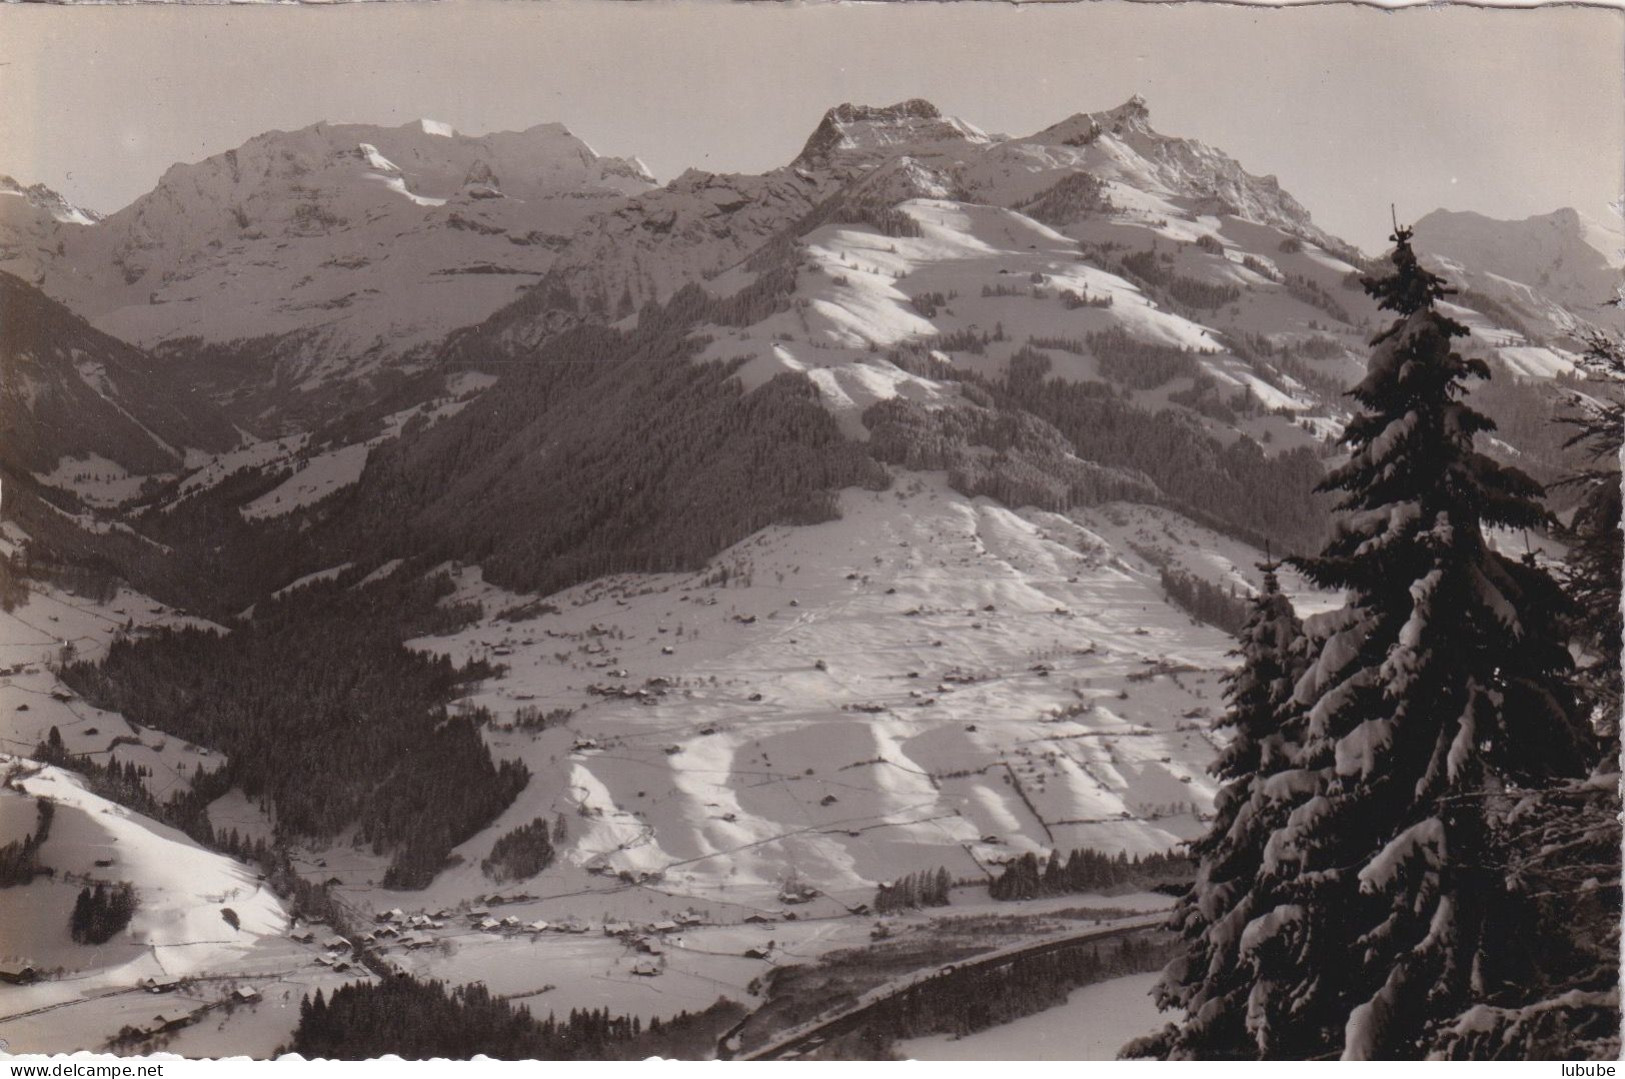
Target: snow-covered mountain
{"points": [[703, 223], [902, 256], [1548, 269], [34, 221], [280, 277], [310, 253], [1120, 146], [44, 201], [899, 255], [866, 158], [855, 137]]}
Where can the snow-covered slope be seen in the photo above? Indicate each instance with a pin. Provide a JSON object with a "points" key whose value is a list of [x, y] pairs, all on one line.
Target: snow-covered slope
{"points": [[206, 959], [931, 680], [975, 284], [178, 928], [976, 249], [703, 223]]}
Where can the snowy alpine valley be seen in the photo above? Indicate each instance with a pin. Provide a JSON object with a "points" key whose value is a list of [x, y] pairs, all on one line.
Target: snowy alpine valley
{"points": [[954, 595]]}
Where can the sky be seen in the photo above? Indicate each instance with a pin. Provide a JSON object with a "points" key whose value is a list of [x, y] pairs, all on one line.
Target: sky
{"points": [[1505, 112]]}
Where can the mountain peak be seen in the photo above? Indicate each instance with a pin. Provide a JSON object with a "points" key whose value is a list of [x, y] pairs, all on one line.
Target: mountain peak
{"points": [[862, 134], [1080, 129], [43, 198], [436, 127], [1134, 111], [915, 108]]}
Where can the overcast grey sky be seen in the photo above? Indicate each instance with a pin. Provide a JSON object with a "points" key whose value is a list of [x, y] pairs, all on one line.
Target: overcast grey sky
{"points": [[1509, 113]]}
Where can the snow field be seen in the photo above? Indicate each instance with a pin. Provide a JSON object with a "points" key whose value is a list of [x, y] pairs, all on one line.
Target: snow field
{"points": [[178, 930]]}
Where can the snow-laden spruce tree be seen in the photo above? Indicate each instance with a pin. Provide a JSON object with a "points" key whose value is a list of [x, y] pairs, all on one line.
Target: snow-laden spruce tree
{"points": [[1593, 536], [1439, 689], [1564, 838], [1212, 982]]}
